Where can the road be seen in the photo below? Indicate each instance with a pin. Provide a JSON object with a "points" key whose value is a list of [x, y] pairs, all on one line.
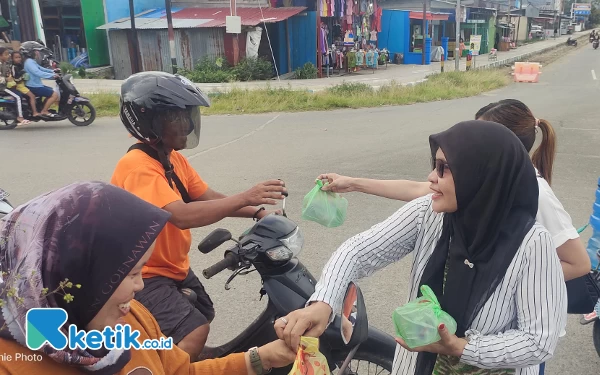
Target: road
{"points": [[388, 142]]}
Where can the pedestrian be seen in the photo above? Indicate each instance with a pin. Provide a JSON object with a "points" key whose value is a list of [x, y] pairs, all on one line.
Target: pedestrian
{"points": [[476, 243]]}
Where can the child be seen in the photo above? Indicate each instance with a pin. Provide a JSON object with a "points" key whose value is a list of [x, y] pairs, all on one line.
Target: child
{"points": [[18, 73], [6, 79]]}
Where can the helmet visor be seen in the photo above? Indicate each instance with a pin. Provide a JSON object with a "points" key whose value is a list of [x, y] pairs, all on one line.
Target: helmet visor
{"points": [[180, 128]]}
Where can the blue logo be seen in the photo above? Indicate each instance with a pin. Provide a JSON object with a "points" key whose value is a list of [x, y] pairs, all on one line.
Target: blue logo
{"points": [[43, 325]]}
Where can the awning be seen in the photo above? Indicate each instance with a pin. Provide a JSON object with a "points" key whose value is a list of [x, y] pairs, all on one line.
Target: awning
{"points": [[429, 16], [185, 18]]}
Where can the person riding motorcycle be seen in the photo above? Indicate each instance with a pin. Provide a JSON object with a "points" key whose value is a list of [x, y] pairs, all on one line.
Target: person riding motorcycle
{"points": [[34, 52], [161, 111]]}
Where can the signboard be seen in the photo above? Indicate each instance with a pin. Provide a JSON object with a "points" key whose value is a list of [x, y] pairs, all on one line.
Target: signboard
{"points": [[581, 9], [475, 44]]}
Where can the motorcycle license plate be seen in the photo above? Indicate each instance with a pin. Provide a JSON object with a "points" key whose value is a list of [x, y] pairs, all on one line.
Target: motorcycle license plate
{"points": [[71, 97]]}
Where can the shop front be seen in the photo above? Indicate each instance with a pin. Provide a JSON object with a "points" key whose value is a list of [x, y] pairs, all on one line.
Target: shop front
{"points": [[403, 35], [347, 35]]}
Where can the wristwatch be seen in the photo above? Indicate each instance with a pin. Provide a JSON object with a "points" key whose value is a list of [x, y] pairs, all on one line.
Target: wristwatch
{"points": [[255, 361]]}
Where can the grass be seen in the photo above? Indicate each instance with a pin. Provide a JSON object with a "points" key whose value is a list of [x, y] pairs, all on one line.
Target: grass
{"points": [[446, 86]]}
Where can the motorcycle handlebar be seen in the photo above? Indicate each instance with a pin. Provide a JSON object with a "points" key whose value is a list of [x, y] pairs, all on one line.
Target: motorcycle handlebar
{"points": [[230, 260]]}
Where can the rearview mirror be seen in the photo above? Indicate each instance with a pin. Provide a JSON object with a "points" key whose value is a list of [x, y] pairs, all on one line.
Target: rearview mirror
{"points": [[215, 239], [355, 324]]}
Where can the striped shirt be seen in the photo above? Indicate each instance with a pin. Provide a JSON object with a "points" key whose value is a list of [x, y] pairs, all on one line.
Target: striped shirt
{"points": [[519, 325]]}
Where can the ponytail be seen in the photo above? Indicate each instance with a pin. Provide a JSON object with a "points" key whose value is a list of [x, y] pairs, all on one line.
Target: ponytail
{"points": [[543, 157]]}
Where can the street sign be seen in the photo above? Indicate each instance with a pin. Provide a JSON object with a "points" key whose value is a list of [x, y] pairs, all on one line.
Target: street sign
{"points": [[475, 44], [581, 9]]}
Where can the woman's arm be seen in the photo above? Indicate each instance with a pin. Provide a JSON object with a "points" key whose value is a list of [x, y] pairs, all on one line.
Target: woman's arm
{"points": [[367, 252], [541, 303], [574, 259], [403, 190]]}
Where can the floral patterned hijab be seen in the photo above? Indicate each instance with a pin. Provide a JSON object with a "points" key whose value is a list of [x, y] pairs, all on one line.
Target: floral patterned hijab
{"points": [[70, 249]]}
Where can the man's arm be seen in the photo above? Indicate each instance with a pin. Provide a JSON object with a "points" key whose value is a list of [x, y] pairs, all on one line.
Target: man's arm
{"points": [[205, 212], [35, 70], [248, 211]]}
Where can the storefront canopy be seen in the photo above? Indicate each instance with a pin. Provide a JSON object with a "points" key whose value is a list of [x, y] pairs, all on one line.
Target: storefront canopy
{"points": [[429, 16]]}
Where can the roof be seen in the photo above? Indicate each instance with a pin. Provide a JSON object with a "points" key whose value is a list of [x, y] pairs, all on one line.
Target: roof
{"points": [[184, 18], [249, 16]]}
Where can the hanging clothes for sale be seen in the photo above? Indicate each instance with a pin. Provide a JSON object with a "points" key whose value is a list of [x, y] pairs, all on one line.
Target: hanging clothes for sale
{"points": [[349, 13], [336, 31], [377, 20], [323, 38], [340, 60], [360, 58], [349, 38], [351, 59], [373, 37]]}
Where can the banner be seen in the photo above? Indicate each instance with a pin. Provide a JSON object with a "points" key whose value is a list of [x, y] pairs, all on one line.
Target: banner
{"points": [[475, 44]]}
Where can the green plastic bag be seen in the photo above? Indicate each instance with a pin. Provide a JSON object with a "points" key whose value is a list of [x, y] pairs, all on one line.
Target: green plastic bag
{"points": [[417, 322], [324, 207]]}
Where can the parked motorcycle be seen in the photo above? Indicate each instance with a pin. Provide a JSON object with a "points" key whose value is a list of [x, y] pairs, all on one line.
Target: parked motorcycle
{"points": [[5, 206], [72, 106], [571, 42], [271, 248]]}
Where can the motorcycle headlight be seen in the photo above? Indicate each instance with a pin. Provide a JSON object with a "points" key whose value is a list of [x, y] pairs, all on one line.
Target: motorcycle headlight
{"points": [[280, 254], [294, 241], [292, 246]]}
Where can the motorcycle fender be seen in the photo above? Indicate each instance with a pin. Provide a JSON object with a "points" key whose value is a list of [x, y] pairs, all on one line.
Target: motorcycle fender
{"points": [[81, 99], [289, 289]]}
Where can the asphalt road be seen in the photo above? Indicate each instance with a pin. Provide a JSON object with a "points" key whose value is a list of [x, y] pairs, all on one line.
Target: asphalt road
{"points": [[389, 142]]}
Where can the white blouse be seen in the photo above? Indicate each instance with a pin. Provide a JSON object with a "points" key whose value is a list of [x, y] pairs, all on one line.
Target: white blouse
{"points": [[519, 325]]}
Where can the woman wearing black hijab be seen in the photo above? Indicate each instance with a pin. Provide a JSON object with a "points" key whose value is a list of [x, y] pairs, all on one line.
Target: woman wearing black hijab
{"points": [[476, 243]]}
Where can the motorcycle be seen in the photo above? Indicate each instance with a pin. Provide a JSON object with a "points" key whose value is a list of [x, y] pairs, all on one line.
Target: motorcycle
{"points": [[595, 43], [271, 247], [72, 106], [5, 206], [571, 42]]}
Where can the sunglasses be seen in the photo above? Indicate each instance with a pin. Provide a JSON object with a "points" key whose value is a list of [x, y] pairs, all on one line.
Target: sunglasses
{"points": [[440, 166]]}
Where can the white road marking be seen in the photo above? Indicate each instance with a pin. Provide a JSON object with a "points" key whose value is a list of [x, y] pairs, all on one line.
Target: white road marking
{"points": [[234, 140], [593, 74]]}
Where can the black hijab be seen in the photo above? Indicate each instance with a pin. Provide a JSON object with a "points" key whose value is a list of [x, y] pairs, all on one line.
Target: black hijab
{"points": [[90, 233], [497, 197]]}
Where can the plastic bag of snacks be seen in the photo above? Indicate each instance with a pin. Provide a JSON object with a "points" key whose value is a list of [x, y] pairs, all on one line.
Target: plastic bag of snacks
{"points": [[417, 321], [324, 207], [309, 360]]}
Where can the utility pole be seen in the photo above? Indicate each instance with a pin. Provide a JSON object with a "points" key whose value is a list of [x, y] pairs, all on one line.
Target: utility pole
{"points": [[424, 32], [171, 36], [135, 63], [457, 44], [518, 23]]}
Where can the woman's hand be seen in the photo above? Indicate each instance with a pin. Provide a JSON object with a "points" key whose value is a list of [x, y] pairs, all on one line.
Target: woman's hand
{"points": [[448, 345], [309, 321], [337, 183]]}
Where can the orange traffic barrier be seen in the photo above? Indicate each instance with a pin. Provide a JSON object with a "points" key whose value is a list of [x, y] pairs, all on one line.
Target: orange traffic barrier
{"points": [[527, 72]]}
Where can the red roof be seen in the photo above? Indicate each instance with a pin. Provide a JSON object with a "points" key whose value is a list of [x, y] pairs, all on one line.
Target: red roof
{"points": [[430, 16], [250, 16]]}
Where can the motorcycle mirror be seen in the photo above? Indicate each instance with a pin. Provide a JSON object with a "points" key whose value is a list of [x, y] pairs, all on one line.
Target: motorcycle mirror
{"points": [[215, 239], [355, 324]]}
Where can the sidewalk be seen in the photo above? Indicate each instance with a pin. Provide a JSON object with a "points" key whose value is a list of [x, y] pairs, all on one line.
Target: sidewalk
{"points": [[401, 74]]}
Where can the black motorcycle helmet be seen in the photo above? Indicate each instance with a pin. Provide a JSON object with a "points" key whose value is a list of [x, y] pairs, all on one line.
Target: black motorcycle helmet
{"points": [[148, 97]]}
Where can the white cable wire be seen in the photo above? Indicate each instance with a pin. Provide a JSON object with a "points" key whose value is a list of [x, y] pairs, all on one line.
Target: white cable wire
{"points": [[269, 39]]}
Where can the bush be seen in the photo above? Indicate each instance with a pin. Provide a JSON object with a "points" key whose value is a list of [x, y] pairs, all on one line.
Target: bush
{"points": [[308, 71], [218, 70]]}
